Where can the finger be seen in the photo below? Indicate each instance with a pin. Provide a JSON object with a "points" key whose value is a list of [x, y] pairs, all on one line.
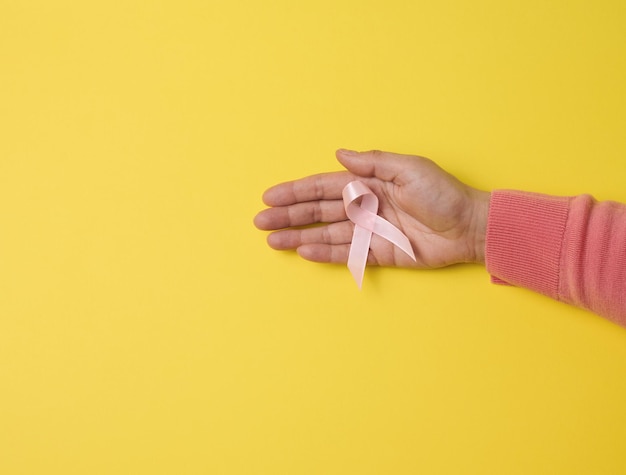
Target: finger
{"points": [[300, 214], [383, 165], [325, 186], [336, 233], [329, 253]]}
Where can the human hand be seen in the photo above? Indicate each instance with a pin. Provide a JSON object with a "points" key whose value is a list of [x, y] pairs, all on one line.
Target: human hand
{"points": [[444, 219]]}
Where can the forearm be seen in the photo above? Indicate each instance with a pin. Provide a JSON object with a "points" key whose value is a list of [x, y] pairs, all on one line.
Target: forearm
{"points": [[571, 249]]}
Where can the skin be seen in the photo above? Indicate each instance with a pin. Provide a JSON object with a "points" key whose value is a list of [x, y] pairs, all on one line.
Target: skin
{"points": [[444, 219]]}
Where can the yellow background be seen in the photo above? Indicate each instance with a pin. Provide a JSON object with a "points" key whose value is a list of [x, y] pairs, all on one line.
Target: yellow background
{"points": [[145, 326]]}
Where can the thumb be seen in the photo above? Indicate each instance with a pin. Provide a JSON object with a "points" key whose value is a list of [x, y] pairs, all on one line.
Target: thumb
{"points": [[382, 165]]}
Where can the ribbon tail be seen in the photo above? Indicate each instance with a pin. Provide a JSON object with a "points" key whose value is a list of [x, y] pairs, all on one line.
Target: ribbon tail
{"points": [[357, 258], [392, 234]]}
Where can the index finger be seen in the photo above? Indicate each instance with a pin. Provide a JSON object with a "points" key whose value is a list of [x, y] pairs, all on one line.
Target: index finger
{"points": [[324, 186]]}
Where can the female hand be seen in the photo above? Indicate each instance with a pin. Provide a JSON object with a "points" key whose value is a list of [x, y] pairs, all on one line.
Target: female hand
{"points": [[444, 219]]}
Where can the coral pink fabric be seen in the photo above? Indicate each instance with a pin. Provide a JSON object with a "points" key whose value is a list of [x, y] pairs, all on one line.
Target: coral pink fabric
{"points": [[572, 249]]}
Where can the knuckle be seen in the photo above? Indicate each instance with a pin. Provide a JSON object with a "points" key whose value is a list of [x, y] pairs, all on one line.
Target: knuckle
{"points": [[316, 213], [318, 188], [326, 239]]}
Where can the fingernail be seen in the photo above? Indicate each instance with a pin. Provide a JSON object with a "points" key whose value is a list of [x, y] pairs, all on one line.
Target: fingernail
{"points": [[349, 153]]}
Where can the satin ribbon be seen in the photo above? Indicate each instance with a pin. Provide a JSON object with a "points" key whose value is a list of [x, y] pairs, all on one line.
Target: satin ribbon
{"points": [[367, 222]]}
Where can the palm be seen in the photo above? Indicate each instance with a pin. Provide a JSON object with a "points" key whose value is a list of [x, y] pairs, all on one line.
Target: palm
{"points": [[429, 209]]}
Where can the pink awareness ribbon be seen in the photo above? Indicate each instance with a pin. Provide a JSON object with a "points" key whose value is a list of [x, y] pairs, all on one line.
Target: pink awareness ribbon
{"points": [[367, 222]]}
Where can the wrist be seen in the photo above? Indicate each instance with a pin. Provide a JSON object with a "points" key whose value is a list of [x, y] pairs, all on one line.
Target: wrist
{"points": [[478, 225]]}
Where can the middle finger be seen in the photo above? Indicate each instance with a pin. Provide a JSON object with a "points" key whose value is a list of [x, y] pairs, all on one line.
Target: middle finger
{"points": [[302, 214]]}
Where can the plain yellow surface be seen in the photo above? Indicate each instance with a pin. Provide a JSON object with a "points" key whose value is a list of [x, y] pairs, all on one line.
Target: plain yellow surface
{"points": [[145, 326]]}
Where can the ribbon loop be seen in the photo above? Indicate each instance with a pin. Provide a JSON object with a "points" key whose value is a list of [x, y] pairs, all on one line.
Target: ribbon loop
{"points": [[367, 222]]}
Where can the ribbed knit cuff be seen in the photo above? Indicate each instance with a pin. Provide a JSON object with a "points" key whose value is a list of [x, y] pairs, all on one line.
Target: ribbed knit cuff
{"points": [[524, 239]]}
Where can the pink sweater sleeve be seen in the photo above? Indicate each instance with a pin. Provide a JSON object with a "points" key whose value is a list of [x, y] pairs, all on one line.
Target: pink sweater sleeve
{"points": [[572, 249]]}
